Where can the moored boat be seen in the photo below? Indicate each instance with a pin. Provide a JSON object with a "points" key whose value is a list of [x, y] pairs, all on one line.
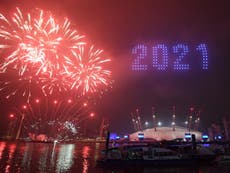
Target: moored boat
{"points": [[148, 156]]}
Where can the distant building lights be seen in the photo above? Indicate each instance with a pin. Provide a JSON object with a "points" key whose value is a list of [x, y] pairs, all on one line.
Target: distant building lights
{"points": [[140, 136], [117, 137], [112, 136], [126, 136], [187, 136], [159, 123], [205, 137]]}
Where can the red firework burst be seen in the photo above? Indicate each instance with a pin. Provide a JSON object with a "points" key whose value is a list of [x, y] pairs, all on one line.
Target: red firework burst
{"points": [[48, 116], [87, 73], [47, 52], [37, 41]]}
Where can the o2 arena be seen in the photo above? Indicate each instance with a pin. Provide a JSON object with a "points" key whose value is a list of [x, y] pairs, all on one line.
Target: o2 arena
{"points": [[164, 133]]}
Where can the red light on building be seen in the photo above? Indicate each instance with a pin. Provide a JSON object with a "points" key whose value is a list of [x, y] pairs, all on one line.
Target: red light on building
{"points": [[69, 101], [37, 100], [55, 101]]}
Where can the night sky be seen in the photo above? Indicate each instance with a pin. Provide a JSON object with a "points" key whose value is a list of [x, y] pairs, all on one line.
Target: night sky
{"points": [[116, 26]]}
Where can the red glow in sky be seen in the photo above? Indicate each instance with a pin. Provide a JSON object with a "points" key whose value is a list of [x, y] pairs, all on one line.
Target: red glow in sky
{"points": [[11, 115], [92, 114]]}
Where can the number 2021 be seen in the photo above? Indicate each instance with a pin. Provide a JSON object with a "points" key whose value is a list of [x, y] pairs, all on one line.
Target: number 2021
{"points": [[160, 57]]}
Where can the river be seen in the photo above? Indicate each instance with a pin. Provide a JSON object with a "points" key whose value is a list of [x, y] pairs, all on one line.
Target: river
{"points": [[79, 157]]}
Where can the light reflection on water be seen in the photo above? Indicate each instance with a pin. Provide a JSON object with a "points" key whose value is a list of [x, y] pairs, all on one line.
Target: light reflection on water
{"points": [[65, 157], [2, 147], [85, 155], [11, 151], [26, 157], [47, 157]]}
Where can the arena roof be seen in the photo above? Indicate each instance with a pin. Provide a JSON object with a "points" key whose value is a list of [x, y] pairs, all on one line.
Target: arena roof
{"points": [[165, 133]]}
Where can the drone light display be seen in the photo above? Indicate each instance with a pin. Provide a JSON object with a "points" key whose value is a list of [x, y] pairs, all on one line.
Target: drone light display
{"points": [[161, 57]]}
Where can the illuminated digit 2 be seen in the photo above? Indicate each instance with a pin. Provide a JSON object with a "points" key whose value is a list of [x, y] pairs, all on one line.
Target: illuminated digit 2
{"points": [[141, 52], [204, 53], [182, 51], [164, 62]]}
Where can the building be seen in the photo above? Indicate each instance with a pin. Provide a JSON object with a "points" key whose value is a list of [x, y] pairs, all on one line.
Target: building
{"points": [[164, 133]]}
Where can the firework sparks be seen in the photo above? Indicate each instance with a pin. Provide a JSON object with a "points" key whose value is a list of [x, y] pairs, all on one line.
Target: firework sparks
{"points": [[39, 49], [11, 85], [37, 41], [51, 116], [86, 72]]}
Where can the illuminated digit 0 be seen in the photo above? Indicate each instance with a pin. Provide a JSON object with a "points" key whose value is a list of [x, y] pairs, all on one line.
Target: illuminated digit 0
{"points": [[182, 50], [204, 53], [141, 52], [164, 52]]}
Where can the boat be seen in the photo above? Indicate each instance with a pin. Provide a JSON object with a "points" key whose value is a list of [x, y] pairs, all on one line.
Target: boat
{"points": [[223, 155], [223, 160], [150, 155]]}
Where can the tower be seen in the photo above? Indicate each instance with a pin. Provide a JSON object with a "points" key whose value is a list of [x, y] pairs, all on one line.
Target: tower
{"points": [[174, 118], [154, 119]]}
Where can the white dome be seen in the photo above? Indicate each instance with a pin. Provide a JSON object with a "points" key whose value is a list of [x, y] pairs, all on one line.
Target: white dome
{"points": [[165, 133]]}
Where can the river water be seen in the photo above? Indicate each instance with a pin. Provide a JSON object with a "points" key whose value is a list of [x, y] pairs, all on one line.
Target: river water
{"points": [[26, 157]]}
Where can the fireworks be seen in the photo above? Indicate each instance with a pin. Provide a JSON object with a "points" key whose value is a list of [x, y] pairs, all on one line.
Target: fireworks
{"points": [[53, 117], [42, 56], [37, 41], [86, 73], [40, 49]]}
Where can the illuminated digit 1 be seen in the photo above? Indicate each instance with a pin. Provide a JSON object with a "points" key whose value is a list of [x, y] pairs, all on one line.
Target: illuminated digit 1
{"points": [[141, 52], [164, 61], [182, 50], [204, 53]]}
